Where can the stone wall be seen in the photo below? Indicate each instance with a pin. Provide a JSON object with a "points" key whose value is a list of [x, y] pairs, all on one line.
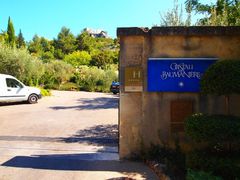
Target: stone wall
{"points": [[149, 117]]}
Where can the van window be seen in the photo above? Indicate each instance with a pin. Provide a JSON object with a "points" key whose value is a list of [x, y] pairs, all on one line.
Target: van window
{"points": [[12, 83]]}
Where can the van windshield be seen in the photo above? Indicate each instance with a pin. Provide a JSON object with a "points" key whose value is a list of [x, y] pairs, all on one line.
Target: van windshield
{"points": [[13, 83]]}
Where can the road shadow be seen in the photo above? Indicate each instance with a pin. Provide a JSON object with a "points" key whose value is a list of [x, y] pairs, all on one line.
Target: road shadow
{"points": [[77, 162], [13, 103], [100, 135], [92, 104]]}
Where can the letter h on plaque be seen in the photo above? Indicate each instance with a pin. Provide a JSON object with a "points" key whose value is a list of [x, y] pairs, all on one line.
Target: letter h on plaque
{"points": [[133, 79]]}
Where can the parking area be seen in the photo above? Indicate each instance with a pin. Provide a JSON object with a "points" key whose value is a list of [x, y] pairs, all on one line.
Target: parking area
{"points": [[70, 135]]}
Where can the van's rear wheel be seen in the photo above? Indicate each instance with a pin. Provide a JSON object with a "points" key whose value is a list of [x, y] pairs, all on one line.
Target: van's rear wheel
{"points": [[32, 99]]}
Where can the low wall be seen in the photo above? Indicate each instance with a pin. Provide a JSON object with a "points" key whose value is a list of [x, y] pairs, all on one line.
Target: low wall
{"points": [[154, 117]]}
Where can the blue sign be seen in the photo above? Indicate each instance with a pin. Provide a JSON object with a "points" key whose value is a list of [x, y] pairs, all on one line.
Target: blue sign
{"points": [[176, 74]]}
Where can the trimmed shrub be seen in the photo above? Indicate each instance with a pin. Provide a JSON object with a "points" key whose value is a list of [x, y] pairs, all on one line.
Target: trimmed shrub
{"points": [[220, 135], [213, 128], [220, 164], [200, 175], [222, 78]]}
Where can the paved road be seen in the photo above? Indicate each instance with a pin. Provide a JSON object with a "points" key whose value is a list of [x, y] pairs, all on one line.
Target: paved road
{"points": [[70, 135]]}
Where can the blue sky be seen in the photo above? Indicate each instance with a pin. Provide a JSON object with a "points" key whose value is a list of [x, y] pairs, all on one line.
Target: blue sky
{"points": [[46, 17]]}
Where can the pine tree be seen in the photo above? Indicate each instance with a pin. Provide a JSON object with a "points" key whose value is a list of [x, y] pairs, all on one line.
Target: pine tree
{"points": [[20, 40], [10, 33], [65, 42]]}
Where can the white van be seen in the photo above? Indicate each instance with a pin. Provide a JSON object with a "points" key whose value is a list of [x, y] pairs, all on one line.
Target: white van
{"points": [[13, 90]]}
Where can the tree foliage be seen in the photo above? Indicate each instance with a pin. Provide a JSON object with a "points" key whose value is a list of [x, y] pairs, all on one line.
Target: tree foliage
{"points": [[2, 38], [224, 12], [56, 73], [222, 78], [41, 47], [85, 42], [174, 17], [95, 79], [19, 63], [65, 42], [102, 58], [34, 46], [78, 58], [10, 33], [20, 40], [54, 63]]}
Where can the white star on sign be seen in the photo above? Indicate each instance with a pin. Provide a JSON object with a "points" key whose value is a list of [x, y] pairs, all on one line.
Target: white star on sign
{"points": [[181, 84]]}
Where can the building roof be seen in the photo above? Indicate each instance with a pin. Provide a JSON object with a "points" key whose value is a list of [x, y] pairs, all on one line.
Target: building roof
{"points": [[96, 32]]}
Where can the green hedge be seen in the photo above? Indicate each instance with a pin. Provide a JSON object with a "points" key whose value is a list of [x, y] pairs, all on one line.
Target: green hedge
{"points": [[200, 175], [220, 153], [213, 128], [222, 78], [221, 164]]}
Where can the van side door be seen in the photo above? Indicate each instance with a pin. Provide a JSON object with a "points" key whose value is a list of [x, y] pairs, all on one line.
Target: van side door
{"points": [[15, 90]]}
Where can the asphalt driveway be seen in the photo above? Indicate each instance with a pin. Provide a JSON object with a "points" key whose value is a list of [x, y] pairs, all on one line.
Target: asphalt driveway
{"points": [[70, 135]]}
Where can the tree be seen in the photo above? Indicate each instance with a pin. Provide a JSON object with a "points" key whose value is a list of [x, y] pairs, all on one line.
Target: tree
{"points": [[174, 17], [78, 58], [102, 58], [10, 33], [20, 40], [41, 47], [34, 46], [66, 42], [85, 42], [3, 36], [46, 45], [222, 78], [47, 49], [19, 63], [224, 12], [47, 56], [58, 54], [56, 73]]}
